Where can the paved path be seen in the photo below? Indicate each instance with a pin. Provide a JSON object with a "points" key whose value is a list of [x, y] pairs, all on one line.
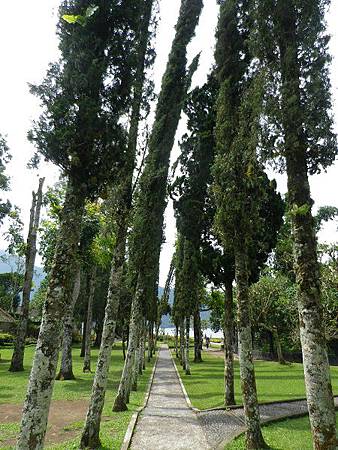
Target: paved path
{"points": [[222, 426], [167, 423]]}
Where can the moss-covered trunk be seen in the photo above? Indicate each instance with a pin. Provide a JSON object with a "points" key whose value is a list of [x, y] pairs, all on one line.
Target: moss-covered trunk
{"points": [[41, 382], [228, 331], [254, 437], [316, 365], [89, 325], [19, 343], [66, 366], [122, 398], [91, 431]]}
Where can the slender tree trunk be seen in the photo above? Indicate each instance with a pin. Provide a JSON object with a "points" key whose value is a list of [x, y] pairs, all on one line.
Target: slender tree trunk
{"points": [[135, 369], [278, 346], [182, 346], [187, 342], [41, 382], [141, 353], [254, 437], [19, 344], [314, 347], [144, 343], [83, 343], [229, 398], [156, 333], [91, 432], [176, 342], [123, 345], [88, 345], [149, 342], [122, 398], [66, 368], [197, 335], [98, 331]]}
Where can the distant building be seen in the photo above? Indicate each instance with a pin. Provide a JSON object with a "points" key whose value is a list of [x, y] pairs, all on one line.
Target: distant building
{"points": [[7, 322]]}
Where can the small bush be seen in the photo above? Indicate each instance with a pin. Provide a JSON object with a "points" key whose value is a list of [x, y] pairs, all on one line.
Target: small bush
{"points": [[6, 338]]}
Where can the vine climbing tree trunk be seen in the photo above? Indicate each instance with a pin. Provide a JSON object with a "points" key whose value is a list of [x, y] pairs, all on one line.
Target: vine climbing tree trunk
{"points": [[19, 343], [41, 382], [66, 367]]}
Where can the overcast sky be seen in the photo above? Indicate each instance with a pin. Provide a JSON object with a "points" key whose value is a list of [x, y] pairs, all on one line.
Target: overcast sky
{"points": [[29, 43]]}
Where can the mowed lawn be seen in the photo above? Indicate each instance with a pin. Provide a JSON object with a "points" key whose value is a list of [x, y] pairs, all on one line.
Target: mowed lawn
{"points": [[290, 434], [13, 389], [205, 385]]}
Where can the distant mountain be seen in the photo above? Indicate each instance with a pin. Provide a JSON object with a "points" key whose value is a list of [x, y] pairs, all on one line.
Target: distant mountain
{"points": [[10, 263], [166, 322]]}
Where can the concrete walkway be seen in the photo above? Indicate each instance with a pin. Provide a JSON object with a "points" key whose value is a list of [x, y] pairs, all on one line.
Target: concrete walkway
{"points": [[167, 423]]}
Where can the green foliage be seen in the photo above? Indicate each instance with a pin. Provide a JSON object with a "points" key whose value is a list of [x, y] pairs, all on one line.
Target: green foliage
{"points": [[325, 214], [85, 94], [10, 289], [215, 302], [38, 300], [147, 234], [311, 80], [6, 338], [14, 233], [82, 20], [274, 308], [5, 157]]}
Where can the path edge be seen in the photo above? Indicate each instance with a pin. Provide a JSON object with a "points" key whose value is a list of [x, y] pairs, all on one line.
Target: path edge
{"points": [[296, 415], [186, 396], [133, 421]]}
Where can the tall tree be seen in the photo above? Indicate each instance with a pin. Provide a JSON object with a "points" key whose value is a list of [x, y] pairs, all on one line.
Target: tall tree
{"points": [[151, 201], [293, 48], [237, 182], [189, 190], [122, 199], [5, 157], [19, 344], [80, 131]]}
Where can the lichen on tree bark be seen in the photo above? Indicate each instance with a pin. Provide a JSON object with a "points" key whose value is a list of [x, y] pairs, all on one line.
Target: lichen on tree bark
{"points": [[41, 382]]}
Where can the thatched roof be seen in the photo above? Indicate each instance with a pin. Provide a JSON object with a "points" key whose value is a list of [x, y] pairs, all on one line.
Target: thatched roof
{"points": [[5, 317]]}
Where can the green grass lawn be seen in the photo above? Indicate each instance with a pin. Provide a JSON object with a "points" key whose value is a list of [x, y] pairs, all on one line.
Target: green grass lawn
{"points": [[290, 434], [13, 389], [205, 386]]}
